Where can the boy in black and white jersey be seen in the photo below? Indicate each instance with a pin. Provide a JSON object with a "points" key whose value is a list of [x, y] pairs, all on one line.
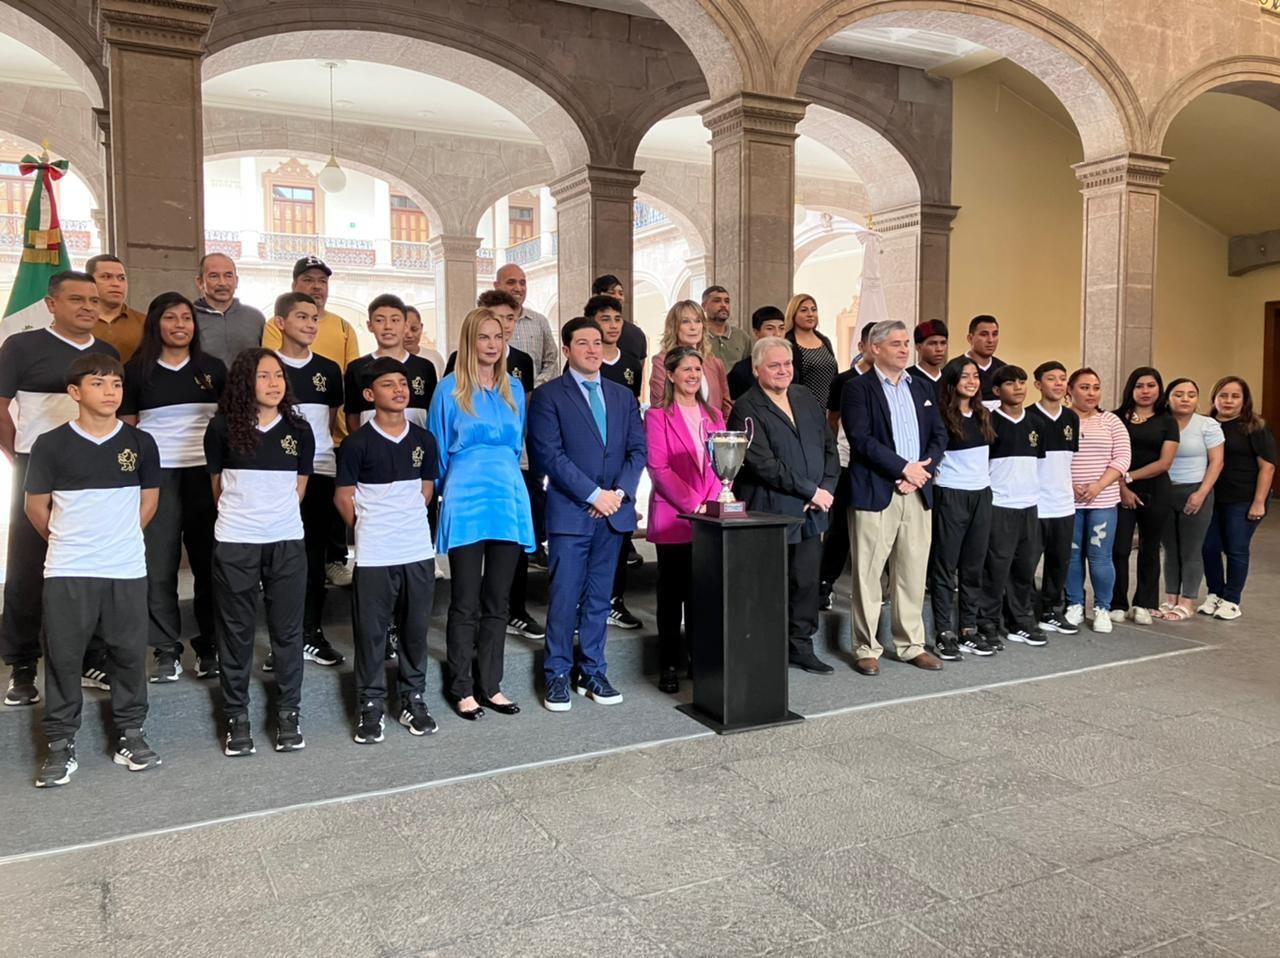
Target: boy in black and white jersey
{"points": [[386, 477], [91, 486], [316, 384], [388, 322], [1059, 428]]}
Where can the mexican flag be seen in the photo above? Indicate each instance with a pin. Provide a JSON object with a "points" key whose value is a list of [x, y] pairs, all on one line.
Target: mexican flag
{"points": [[43, 250]]}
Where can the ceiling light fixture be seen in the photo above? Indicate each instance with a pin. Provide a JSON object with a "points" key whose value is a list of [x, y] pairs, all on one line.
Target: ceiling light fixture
{"points": [[332, 179]]}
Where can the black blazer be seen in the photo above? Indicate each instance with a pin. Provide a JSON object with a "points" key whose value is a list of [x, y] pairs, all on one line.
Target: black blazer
{"points": [[786, 464]]}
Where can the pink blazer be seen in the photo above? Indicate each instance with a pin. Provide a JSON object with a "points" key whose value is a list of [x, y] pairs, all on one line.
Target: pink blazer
{"points": [[678, 486], [712, 371]]}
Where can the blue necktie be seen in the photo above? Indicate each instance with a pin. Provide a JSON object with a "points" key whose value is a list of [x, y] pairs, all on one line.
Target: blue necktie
{"points": [[597, 407]]}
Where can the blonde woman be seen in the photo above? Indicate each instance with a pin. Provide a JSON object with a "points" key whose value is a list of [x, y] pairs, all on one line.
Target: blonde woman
{"points": [[478, 417], [811, 352], [687, 326]]}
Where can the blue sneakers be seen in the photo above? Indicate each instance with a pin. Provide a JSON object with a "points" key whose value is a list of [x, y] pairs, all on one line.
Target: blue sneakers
{"points": [[598, 689], [557, 698]]}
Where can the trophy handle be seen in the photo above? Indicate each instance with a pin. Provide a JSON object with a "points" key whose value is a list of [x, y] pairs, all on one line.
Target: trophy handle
{"points": [[751, 431]]}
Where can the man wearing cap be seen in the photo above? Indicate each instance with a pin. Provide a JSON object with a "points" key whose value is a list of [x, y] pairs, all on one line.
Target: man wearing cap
{"points": [[931, 352], [226, 325], [117, 324]]}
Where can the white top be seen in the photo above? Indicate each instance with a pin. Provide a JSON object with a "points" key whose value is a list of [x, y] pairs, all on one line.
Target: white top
{"points": [[1201, 434]]}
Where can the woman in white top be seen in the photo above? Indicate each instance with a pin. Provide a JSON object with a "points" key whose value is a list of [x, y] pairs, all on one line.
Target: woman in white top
{"points": [[1194, 471]]}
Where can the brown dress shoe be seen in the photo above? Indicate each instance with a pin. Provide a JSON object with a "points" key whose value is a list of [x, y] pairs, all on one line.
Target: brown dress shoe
{"points": [[926, 661], [867, 667]]}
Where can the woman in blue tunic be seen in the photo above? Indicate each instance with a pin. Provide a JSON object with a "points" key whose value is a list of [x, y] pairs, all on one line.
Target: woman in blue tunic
{"points": [[478, 417]]}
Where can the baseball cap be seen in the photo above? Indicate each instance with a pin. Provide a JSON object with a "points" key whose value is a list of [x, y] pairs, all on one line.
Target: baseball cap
{"points": [[310, 262]]}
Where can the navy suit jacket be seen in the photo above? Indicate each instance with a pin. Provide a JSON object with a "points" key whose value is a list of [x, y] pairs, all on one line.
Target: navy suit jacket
{"points": [[874, 465], [565, 443]]}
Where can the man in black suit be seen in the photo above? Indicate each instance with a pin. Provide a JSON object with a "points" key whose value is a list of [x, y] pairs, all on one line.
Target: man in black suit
{"points": [[765, 321], [896, 438], [790, 469]]}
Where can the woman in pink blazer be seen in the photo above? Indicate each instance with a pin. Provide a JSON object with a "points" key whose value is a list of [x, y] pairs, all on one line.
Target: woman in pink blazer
{"points": [[686, 326], [683, 481]]}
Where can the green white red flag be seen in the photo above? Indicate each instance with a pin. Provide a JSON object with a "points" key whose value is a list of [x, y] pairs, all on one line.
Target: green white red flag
{"points": [[44, 252]]}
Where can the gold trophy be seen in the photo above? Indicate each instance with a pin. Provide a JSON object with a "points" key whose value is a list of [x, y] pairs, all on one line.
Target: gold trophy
{"points": [[727, 450]]}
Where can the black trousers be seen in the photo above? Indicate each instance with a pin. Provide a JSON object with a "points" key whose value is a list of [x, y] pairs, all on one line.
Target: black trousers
{"points": [[835, 544], [1009, 576], [318, 512], [75, 609], [519, 599], [184, 517], [675, 585], [1055, 542], [238, 568], [803, 560], [24, 578], [1151, 521], [620, 572], [961, 530], [534, 482], [381, 595], [477, 624]]}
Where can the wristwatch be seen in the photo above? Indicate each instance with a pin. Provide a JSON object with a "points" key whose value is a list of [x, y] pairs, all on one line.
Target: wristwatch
{"points": [[1128, 479]]}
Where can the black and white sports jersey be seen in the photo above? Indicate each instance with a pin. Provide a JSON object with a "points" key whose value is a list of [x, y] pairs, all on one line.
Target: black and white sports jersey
{"points": [[33, 370], [388, 472], [421, 374], [966, 461], [1060, 439], [317, 389], [94, 530], [259, 501], [175, 405], [626, 370], [1015, 458], [519, 367]]}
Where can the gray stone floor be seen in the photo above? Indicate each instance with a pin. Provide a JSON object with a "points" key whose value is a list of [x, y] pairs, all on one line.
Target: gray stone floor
{"points": [[1124, 811]]}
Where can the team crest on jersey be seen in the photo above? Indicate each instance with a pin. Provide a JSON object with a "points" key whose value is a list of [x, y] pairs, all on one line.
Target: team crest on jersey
{"points": [[319, 381], [630, 376], [1067, 433], [419, 386], [1033, 437], [417, 457], [289, 444], [517, 374], [128, 460], [204, 381]]}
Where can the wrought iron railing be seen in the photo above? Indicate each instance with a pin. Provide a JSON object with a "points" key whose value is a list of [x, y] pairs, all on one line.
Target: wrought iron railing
{"points": [[334, 250], [646, 216], [226, 242], [524, 254], [415, 256]]}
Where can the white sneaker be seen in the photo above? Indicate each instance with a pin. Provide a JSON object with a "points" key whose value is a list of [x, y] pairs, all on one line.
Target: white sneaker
{"points": [[1140, 615], [1074, 614], [338, 574], [1210, 605], [1227, 610], [1102, 621]]}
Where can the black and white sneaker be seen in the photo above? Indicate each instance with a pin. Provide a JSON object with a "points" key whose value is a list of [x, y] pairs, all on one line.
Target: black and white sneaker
{"points": [[94, 678], [59, 765], [318, 650], [826, 597], [371, 726], [269, 663], [1052, 623], [1028, 637], [522, 623], [947, 647], [620, 618], [133, 752], [22, 689], [976, 643], [393, 642], [995, 641], [417, 719], [289, 732], [239, 739], [207, 665], [168, 666]]}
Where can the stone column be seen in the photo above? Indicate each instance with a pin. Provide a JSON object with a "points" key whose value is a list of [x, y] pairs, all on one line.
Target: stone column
{"points": [[595, 221], [1121, 220], [915, 264], [454, 260], [753, 193], [152, 50]]}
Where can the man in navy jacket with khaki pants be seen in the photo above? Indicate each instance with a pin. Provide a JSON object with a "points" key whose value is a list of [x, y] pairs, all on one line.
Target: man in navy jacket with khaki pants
{"points": [[896, 439]]}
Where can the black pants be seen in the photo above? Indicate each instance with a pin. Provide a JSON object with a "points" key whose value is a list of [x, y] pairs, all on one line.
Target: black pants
{"points": [[835, 544], [620, 572], [534, 482], [238, 568], [184, 517], [1009, 577], [24, 578], [961, 530], [519, 599], [1055, 542], [675, 585], [75, 609], [381, 595], [318, 511], [803, 560], [477, 625], [1151, 521]]}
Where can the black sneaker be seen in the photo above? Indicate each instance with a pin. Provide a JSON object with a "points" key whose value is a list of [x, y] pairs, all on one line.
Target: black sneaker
{"points": [[207, 665], [976, 643], [995, 641], [133, 752], [1028, 637], [538, 559], [825, 597], [239, 739], [371, 726], [522, 623], [59, 765], [269, 663], [417, 719], [946, 645], [393, 643], [634, 558], [22, 689], [289, 733], [94, 678], [1054, 623], [318, 650], [168, 666], [620, 618], [669, 681]]}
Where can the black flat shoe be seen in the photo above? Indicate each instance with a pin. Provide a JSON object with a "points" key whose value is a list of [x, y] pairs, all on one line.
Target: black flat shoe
{"points": [[510, 708], [470, 715], [669, 681]]}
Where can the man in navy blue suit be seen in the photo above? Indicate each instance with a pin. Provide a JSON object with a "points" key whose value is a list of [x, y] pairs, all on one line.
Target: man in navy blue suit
{"points": [[896, 439], [585, 434]]}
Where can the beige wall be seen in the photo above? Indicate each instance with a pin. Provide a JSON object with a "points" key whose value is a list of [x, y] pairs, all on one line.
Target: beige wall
{"points": [[833, 279]]}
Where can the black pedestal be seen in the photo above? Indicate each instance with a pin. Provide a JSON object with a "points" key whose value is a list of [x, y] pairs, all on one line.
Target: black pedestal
{"points": [[738, 622]]}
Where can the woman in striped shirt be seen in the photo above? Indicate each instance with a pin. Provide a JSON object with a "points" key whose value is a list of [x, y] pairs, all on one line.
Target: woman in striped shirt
{"points": [[1103, 457]]}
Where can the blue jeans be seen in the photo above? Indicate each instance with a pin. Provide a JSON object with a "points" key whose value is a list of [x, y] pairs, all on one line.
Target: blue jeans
{"points": [[1091, 540], [1230, 530]]}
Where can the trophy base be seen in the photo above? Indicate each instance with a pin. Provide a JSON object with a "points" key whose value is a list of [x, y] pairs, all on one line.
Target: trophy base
{"points": [[726, 510]]}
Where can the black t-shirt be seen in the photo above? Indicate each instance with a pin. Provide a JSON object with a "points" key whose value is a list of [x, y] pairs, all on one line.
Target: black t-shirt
{"points": [[1146, 442], [626, 370], [33, 369], [174, 405], [1241, 453], [519, 366], [1015, 475], [915, 372], [837, 388], [633, 342], [985, 376], [741, 377], [421, 374]]}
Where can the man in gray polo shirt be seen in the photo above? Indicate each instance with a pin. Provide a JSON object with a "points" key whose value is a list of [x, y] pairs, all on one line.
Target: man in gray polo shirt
{"points": [[226, 325]]}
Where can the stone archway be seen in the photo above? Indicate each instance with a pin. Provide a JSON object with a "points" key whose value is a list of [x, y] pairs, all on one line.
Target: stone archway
{"points": [[61, 38], [1255, 77]]}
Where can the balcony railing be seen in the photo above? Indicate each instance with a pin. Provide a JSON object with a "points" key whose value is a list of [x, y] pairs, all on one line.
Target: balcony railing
{"points": [[485, 261], [226, 242], [646, 216], [334, 250], [415, 256], [75, 233], [524, 254]]}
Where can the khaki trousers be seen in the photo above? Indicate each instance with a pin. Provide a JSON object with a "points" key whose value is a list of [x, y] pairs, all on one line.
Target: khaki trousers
{"points": [[899, 536]]}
